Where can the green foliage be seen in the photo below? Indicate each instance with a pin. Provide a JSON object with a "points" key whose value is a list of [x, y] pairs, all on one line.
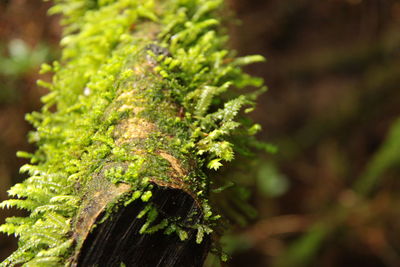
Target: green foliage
{"points": [[270, 181], [21, 58], [16, 60], [388, 156], [191, 106], [303, 250]]}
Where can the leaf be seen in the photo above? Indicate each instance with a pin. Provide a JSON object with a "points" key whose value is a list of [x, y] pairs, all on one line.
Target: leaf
{"points": [[214, 164]]}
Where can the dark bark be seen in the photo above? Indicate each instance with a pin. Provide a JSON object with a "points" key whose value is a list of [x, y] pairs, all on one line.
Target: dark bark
{"points": [[117, 240]]}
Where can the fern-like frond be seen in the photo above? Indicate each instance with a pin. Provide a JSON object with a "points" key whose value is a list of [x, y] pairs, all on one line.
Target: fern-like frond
{"points": [[26, 204], [148, 86]]}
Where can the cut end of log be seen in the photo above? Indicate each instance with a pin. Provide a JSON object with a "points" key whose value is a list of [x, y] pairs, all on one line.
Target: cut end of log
{"points": [[118, 240]]}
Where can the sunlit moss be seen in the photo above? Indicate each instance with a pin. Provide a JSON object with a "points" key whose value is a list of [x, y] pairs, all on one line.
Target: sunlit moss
{"points": [[145, 92]]}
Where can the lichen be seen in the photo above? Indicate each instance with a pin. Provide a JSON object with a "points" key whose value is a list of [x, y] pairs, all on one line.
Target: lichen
{"points": [[145, 93]]}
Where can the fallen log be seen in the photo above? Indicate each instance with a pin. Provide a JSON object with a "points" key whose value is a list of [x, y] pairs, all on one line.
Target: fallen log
{"points": [[142, 110]]}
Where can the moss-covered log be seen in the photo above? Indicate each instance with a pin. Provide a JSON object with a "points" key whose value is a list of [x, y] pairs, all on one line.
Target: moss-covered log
{"points": [[142, 110]]}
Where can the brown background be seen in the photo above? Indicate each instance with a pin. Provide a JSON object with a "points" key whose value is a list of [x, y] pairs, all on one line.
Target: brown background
{"points": [[333, 74]]}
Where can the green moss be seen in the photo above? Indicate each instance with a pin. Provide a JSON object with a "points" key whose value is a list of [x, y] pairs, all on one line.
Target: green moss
{"points": [[145, 92]]}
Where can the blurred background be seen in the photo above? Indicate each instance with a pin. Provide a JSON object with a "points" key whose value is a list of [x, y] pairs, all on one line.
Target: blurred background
{"points": [[329, 197]]}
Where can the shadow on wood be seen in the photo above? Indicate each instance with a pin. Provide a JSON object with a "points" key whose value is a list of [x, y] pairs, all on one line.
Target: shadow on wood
{"points": [[117, 240]]}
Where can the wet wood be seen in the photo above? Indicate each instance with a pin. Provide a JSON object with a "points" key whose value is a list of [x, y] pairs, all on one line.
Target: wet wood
{"points": [[117, 241]]}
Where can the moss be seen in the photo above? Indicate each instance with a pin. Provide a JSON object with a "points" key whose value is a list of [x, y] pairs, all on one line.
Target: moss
{"points": [[145, 92]]}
